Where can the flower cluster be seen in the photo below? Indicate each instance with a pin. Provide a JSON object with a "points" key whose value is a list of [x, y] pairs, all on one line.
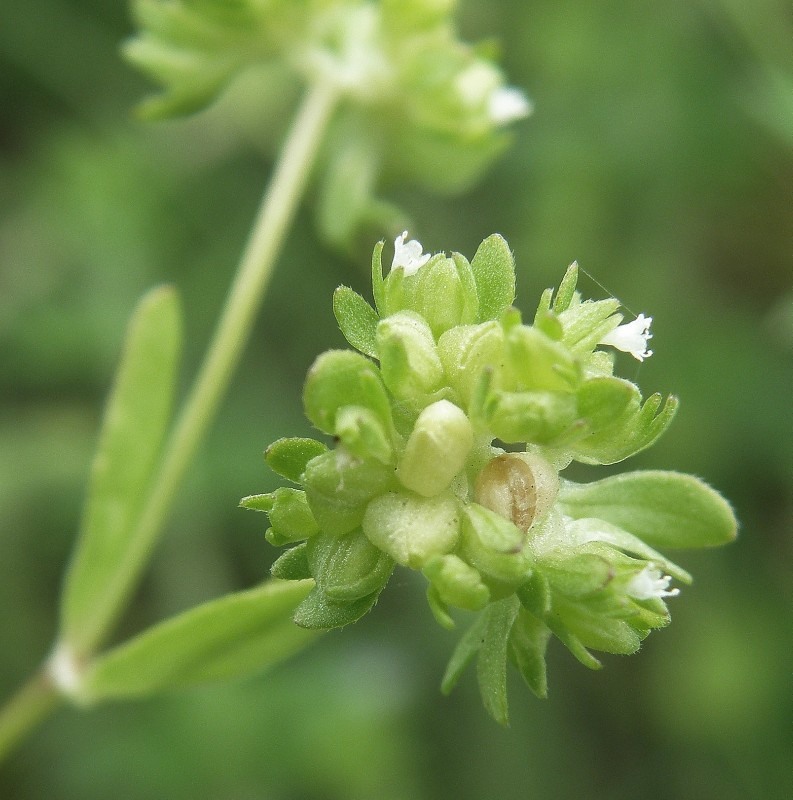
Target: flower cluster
{"points": [[451, 427], [415, 104]]}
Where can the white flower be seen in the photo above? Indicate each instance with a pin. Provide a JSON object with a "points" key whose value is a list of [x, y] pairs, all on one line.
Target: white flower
{"points": [[410, 256], [632, 337], [650, 583], [507, 104], [479, 87]]}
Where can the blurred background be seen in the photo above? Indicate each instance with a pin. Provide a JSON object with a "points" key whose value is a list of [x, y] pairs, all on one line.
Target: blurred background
{"points": [[660, 156]]}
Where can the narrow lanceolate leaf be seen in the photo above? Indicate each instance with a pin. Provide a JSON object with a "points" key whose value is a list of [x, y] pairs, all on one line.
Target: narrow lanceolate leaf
{"points": [[663, 509], [225, 638], [357, 320], [468, 646], [135, 422], [493, 267], [491, 665]]}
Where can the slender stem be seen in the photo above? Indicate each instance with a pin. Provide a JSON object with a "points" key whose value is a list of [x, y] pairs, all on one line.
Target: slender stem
{"points": [[276, 212], [33, 702]]}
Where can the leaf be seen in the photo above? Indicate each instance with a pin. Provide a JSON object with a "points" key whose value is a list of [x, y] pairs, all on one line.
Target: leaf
{"points": [[378, 289], [491, 664], [292, 565], [466, 649], [494, 273], [357, 320], [528, 642], [319, 612], [663, 509], [564, 296], [636, 429], [225, 638], [136, 418], [288, 457]]}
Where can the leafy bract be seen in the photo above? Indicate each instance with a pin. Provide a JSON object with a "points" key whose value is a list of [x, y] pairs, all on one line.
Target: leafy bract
{"points": [[224, 638], [136, 418], [663, 509]]}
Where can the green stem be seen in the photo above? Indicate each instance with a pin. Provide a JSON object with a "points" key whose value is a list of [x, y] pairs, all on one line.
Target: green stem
{"points": [[32, 703], [231, 335]]}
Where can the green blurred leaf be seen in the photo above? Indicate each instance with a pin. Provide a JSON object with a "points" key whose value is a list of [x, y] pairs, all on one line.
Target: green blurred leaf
{"points": [[136, 418], [664, 509], [224, 638], [357, 320], [288, 457], [494, 272]]}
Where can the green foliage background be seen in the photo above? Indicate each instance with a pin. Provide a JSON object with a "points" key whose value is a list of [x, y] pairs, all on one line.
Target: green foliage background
{"points": [[660, 156]]}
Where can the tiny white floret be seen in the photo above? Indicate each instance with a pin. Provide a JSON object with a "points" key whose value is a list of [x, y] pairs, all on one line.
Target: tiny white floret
{"points": [[650, 583], [507, 104], [410, 256], [632, 337]]}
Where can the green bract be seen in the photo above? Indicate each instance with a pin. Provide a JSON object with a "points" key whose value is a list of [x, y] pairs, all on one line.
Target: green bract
{"points": [[451, 427], [415, 104]]}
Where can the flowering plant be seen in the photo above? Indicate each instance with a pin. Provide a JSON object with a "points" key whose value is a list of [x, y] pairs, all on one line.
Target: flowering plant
{"points": [[452, 424]]}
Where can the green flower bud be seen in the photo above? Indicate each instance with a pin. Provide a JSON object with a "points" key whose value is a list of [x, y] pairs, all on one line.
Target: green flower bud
{"points": [[412, 529], [363, 434], [338, 487], [436, 450], [536, 417], [415, 285], [467, 350], [457, 584], [348, 567], [290, 517], [496, 547], [535, 362], [339, 378], [409, 360]]}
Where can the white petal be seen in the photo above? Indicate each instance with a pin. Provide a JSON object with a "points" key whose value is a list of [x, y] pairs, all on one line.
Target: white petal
{"points": [[650, 583], [410, 256], [632, 337], [507, 104]]}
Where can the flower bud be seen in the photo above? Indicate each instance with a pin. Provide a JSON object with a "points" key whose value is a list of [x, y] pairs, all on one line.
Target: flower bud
{"points": [[457, 583], [440, 277], [363, 434], [520, 487], [534, 362], [536, 417], [338, 378], [348, 567], [338, 487], [436, 449], [467, 350], [409, 361], [496, 547], [413, 529]]}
